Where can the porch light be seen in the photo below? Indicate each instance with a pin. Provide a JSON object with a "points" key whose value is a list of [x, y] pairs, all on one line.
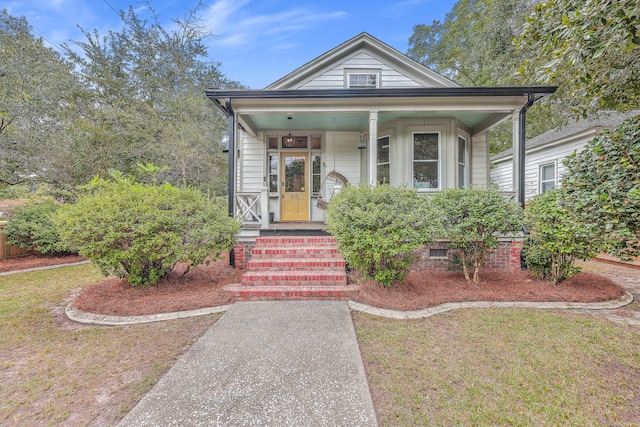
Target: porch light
{"points": [[362, 144], [289, 140]]}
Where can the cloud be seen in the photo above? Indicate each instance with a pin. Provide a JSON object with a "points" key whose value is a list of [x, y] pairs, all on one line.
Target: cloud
{"points": [[236, 24]]}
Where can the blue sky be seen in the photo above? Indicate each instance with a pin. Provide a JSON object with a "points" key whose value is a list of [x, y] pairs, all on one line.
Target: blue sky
{"points": [[257, 42]]}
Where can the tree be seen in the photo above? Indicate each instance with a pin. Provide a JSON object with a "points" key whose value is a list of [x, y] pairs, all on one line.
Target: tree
{"points": [[473, 46], [38, 95], [150, 102], [603, 187], [590, 48]]}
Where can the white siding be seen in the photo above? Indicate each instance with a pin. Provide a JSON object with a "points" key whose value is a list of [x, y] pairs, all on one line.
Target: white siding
{"points": [[502, 174], [251, 164], [480, 159], [335, 77]]}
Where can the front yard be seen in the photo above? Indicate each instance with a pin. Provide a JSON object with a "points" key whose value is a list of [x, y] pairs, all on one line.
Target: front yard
{"points": [[56, 372], [471, 367]]}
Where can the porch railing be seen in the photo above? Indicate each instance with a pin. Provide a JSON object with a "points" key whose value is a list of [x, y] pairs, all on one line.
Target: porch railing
{"points": [[252, 208]]}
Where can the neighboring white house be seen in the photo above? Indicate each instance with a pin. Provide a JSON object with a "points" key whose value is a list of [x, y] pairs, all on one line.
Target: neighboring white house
{"points": [[545, 153], [367, 112]]}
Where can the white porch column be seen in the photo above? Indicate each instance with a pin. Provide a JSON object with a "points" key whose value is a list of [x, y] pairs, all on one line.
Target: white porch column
{"points": [[515, 144], [264, 207], [373, 147]]}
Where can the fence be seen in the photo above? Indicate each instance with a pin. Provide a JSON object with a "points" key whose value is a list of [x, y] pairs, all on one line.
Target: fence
{"points": [[7, 250]]}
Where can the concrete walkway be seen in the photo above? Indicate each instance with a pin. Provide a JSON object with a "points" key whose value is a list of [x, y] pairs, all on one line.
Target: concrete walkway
{"points": [[289, 363]]}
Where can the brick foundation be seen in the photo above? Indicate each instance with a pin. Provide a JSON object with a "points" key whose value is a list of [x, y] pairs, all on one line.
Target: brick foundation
{"points": [[505, 257]]}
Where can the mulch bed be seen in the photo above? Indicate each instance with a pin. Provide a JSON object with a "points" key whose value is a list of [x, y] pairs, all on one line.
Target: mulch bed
{"points": [[422, 289], [33, 261], [203, 287]]}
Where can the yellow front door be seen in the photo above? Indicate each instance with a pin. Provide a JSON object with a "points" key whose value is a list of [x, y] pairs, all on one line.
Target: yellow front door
{"points": [[295, 187]]}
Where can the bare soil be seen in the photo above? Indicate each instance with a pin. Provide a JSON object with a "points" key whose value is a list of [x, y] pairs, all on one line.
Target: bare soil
{"points": [[203, 287]]}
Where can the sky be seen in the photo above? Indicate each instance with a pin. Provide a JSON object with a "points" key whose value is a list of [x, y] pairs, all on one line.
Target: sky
{"points": [[257, 42]]}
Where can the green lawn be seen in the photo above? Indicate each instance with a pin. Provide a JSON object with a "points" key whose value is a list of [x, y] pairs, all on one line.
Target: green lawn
{"points": [[54, 372], [502, 367]]}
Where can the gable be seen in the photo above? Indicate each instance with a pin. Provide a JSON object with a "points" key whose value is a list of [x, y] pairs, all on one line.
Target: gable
{"points": [[363, 54]]}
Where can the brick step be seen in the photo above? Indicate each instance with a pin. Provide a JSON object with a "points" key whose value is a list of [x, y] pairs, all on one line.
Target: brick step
{"points": [[294, 278], [298, 264], [279, 292], [280, 241], [295, 252]]}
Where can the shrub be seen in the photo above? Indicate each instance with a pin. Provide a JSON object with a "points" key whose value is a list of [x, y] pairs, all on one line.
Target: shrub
{"points": [[32, 227], [557, 238], [602, 187], [472, 219], [140, 231], [379, 228]]}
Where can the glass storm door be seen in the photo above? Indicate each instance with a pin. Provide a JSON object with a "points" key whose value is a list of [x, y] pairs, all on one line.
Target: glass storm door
{"points": [[294, 186]]}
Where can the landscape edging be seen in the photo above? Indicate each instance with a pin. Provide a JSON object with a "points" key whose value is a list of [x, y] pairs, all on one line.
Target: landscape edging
{"points": [[449, 306], [112, 320]]}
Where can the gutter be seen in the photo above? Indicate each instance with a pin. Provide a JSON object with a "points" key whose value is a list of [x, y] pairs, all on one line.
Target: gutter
{"points": [[232, 168], [522, 135]]}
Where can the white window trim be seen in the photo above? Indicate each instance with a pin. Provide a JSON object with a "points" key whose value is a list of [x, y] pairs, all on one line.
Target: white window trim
{"points": [[385, 163], [412, 183], [466, 160], [352, 71], [555, 175]]}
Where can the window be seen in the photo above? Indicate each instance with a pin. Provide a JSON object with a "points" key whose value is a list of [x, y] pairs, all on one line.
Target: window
{"points": [[363, 81], [547, 177], [383, 160], [315, 173], [462, 162], [426, 160], [273, 173]]}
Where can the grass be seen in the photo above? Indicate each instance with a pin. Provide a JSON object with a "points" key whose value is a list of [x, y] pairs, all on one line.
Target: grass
{"points": [[53, 372], [502, 367]]}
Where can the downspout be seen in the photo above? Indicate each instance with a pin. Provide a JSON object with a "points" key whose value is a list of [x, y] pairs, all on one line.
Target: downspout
{"points": [[232, 169], [522, 122]]}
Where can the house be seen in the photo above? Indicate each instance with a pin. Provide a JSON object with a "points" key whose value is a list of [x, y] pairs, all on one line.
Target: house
{"points": [[545, 153], [362, 112]]}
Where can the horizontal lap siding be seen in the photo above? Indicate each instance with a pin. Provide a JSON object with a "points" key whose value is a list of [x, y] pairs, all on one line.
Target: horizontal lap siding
{"points": [[502, 175], [479, 160], [334, 78], [347, 157], [252, 164]]}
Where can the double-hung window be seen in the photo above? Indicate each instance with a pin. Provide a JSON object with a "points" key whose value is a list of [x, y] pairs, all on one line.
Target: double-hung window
{"points": [[426, 160], [462, 162], [547, 177], [383, 160]]}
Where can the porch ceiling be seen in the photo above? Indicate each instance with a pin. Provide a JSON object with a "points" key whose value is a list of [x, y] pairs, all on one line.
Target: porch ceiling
{"points": [[348, 121]]}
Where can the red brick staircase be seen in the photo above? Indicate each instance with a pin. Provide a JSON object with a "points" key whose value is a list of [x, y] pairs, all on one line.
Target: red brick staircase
{"points": [[294, 268]]}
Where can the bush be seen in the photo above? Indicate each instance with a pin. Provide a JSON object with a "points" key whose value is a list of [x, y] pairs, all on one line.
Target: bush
{"points": [[379, 228], [472, 219], [557, 238], [140, 231], [32, 227]]}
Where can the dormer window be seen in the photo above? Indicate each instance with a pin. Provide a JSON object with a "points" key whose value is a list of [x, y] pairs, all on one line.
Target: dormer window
{"points": [[362, 79]]}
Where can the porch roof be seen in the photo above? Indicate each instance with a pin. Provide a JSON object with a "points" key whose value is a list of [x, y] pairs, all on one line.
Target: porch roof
{"points": [[479, 108]]}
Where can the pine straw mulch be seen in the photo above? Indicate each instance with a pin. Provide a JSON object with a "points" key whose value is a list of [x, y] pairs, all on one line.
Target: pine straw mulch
{"points": [[203, 287], [33, 261], [422, 289]]}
